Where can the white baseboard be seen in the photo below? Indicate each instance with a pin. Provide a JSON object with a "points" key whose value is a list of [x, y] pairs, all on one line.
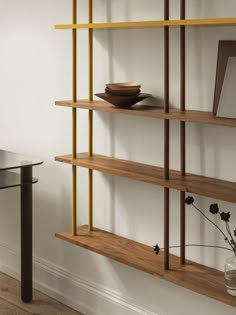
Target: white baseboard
{"points": [[70, 289]]}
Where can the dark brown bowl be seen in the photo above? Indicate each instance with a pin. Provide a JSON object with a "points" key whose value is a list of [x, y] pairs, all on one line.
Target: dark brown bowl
{"points": [[123, 101], [125, 92]]}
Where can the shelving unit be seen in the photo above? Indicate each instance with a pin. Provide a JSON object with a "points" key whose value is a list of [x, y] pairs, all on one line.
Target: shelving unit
{"points": [[178, 270]]}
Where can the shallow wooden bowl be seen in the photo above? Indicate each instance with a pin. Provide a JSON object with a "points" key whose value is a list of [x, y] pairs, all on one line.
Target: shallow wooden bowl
{"points": [[123, 86]]}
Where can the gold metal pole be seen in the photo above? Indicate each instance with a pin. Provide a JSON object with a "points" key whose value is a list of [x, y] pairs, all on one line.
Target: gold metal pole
{"points": [[90, 201], [90, 39], [90, 83], [74, 117], [90, 131]]}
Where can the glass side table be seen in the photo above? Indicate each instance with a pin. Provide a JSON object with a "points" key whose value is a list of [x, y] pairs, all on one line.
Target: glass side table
{"points": [[8, 162]]}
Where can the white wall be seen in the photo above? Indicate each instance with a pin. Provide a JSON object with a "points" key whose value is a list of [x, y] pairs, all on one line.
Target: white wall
{"points": [[35, 70]]}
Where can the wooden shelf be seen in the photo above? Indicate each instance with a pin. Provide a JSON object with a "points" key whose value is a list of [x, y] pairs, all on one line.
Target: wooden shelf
{"points": [[148, 24], [152, 111], [198, 278], [10, 179], [201, 185]]}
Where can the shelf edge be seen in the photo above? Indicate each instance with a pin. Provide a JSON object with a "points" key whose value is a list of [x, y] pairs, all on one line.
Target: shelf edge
{"points": [[192, 116], [150, 24]]}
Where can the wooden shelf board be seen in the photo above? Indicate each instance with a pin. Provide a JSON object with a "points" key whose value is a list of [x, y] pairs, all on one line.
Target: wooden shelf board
{"points": [[201, 185], [199, 278], [147, 24], [153, 112]]}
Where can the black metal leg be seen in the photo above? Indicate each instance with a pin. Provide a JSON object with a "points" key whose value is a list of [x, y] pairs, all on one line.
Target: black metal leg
{"points": [[26, 234]]}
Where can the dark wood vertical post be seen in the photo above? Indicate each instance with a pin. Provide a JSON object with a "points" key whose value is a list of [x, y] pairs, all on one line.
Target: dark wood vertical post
{"points": [[26, 234], [166, 135], [182, 131]]}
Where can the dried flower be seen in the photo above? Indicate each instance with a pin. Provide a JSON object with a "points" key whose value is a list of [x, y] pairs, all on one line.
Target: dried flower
{"points": [[189, 200], [214, 209], [156, 249], [225, 216]]}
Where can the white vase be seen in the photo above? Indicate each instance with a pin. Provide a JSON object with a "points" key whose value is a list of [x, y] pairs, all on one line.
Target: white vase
{"points": [[230, 275]]}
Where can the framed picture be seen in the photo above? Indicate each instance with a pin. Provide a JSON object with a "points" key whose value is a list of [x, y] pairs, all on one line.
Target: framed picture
{"points": [[225, 85]]}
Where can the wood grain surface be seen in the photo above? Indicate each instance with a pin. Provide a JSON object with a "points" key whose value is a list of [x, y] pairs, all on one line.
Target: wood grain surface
{"points": [[11, 304], [153, 112], [201, 185], [193, 276]]}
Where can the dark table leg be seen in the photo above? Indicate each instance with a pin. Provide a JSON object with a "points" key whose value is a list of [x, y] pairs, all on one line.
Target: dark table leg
{"points": [[26, 234]]}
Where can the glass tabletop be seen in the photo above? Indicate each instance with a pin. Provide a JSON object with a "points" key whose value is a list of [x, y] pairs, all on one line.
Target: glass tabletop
{"points": [[11, 160]]}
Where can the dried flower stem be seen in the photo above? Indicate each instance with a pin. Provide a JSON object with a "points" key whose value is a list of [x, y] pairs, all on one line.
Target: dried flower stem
{"points": [[201, 245], [229, 232], [225, 216], [225, 236]]}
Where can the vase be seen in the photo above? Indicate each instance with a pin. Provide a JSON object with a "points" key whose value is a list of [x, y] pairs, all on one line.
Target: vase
{"points": [[230, 275]]}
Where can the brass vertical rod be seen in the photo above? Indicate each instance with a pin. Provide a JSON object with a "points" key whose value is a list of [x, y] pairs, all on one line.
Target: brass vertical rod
{"points": [[90, 131], [90, 67], [182, 130], [166, 136], [90, 201], [74, 117], [74, 200], [90, 39], [74, 51], [90, 177]]}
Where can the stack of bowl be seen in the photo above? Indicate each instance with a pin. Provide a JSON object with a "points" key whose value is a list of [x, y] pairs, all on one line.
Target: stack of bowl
{"points": [[123, 89], [123, 94]]}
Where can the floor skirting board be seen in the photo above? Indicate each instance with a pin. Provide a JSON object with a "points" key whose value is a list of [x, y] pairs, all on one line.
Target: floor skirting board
{"points": [[68, 288]]}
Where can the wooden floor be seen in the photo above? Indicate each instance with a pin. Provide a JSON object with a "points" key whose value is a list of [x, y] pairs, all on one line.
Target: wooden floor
{"points": [[11, 304]]}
